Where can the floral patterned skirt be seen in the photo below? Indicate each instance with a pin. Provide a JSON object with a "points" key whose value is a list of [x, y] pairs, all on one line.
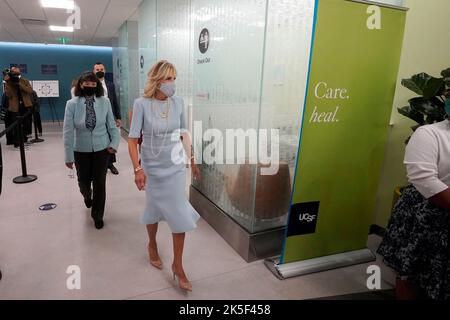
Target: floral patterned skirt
{"points": [[416, 243]]}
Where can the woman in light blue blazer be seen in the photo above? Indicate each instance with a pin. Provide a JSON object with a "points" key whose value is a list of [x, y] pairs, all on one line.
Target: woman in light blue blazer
{"points": [[90, 135]]}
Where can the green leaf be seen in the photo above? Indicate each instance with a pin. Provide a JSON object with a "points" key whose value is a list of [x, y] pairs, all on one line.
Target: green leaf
{"points": [[433, 119], [427, 106], [425, 85], [414, 115], [433, 109], [434, 87], [446, 74]]}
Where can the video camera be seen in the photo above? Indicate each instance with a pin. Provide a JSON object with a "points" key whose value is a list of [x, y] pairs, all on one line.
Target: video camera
{"points": [[7, 72], [13, 76]]}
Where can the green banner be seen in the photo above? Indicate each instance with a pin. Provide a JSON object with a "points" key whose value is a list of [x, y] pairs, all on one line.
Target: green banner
{"points": [[353, 71]]}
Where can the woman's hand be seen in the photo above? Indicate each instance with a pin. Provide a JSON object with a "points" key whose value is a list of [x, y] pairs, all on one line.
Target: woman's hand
{"points": [[140, 179], [69, 165], [111, 150], [196, 172]]}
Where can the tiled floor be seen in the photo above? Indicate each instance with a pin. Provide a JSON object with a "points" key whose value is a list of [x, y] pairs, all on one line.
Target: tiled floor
{"points": [[37, 247]]}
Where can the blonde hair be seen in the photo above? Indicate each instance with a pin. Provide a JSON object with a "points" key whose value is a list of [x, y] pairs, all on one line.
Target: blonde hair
{"points": [[159, 72]]}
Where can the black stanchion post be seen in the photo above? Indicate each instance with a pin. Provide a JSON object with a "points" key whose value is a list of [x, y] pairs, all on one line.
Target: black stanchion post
{"points": [[36, 138], [25, 178], [1, 176], [1, 169], [54, 110]]}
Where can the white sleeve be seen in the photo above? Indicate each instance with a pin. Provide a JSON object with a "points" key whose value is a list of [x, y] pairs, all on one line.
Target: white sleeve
{"points": [[421, 160]]}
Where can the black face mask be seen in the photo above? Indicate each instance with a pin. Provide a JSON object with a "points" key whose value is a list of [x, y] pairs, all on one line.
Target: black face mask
{"points": [[100, 74], [89, 91]]}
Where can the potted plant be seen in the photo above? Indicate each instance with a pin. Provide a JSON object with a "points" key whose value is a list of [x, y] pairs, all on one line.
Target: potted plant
{"points": [[429, 107]]}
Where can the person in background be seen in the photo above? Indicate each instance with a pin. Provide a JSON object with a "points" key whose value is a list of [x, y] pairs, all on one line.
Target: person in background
{"points": [[417, 240], [19, 92], [110, 92], [161, 118], [37, 113], [73, 85], [4, 115], [90, 136], [3, 106]]}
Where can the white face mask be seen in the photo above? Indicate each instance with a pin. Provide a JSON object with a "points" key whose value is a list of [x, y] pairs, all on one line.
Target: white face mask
{"points": [[168, 88]]}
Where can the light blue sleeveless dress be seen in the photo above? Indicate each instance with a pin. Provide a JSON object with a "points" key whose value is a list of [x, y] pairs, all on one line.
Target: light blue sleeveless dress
{"points": [[163, 161]]}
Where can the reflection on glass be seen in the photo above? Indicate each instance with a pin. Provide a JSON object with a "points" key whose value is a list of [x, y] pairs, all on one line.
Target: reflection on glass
{"points": [[124, 74], [147, 40], [251, 86], [126, 58]]}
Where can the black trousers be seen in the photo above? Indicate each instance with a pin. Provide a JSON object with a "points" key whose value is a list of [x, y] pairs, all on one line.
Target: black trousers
{"points": [[112, 159], [10, 137], [91, 169], [26, 125]]}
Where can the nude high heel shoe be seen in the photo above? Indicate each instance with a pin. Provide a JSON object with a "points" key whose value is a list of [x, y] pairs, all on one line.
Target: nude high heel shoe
{"points": [[184, 285], [156, 263]]}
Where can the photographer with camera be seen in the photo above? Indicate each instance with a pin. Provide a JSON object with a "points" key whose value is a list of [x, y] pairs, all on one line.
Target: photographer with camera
{"points": [[19, 92], [6, 118]]}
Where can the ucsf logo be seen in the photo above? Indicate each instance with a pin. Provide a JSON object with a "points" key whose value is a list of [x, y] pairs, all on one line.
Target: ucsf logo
{"points": [[307, 217]]}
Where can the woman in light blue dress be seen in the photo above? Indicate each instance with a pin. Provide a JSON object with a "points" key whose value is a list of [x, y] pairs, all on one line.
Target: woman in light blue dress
{"points": [[161, 118]]}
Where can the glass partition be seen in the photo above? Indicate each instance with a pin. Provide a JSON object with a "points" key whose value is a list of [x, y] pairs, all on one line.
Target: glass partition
{"points": [[242, 64], [228, 59], [174, 41], [147, 40], [123, 67], [125, 58], [287, 49]]}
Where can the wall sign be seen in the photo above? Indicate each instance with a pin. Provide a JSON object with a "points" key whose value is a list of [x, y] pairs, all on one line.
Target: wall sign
{"points": [[203, 45], [142, 62], [49, 69], [46, 88], [203, 40]]}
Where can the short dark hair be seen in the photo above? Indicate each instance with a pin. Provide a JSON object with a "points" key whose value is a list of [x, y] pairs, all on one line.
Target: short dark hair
{"points": [[88, 76], [99, 63]]}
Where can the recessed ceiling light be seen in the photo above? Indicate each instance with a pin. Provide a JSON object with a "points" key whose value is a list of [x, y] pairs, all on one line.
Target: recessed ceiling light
{"points": [[61, 28], [59, 4]]}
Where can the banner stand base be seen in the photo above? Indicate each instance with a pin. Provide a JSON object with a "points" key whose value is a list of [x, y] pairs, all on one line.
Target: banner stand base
{"points": [[299, 268]]}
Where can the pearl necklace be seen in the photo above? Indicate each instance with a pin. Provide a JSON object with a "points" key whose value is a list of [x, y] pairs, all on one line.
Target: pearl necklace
{"points": [[163, 115]]}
